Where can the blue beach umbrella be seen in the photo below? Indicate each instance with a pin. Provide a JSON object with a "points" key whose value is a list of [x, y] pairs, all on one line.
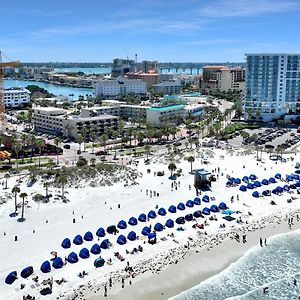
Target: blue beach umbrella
{"points": [[222, 205], [142, 218], [170, 223], [197, 201], [190, 203], [214, 208], [104, 244], [132, 221], [131, 236], [197, 214], [188, 217], [11, 277], [57, 263], [88, 236], [162, 211], [95, 249], [205, 198], [78, 240], [66, 243], [180, 220], [121, 240], [100, 232], [46, 267], [84, 253], [158, 227], [206, 211], [72, 258], [122, 224], [181, 206], [172, 209], [26, 272], [152, 214], [146, 230], [243, 188]]}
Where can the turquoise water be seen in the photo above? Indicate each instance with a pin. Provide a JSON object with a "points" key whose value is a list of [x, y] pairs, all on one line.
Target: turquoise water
{"points": [[274, 266], [88, 71], [52, 88], [177, 106]]}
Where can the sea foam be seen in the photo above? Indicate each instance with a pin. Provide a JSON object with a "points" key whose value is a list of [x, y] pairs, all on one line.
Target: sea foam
{"points": [[274, 266]]}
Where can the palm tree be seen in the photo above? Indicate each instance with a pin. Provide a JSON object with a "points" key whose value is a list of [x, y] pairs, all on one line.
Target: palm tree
{"points": [[62, 180], [40, 144], [191, 159], [147, 151], [172, 167], [6, 176], [103, 141], [168, 148], [93, 136], [17, 148], [23, 196], [23, 139], [46, 186], [15, 190], [57, 141], [32, 144], [80, 141], [93, 161], [83, 132]]}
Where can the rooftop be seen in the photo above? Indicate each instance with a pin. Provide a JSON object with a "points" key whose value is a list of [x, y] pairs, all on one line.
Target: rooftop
{"points": [[168, 107]]}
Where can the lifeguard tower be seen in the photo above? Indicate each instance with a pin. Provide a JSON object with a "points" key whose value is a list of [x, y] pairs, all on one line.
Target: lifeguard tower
{"points": [[202, 179]]}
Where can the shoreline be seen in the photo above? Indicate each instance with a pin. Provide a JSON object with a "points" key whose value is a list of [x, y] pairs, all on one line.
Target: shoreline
{"points": [[186, 273]]}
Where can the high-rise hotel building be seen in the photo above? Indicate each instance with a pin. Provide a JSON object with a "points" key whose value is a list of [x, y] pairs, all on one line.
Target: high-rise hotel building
{"points": [[272, 86]]}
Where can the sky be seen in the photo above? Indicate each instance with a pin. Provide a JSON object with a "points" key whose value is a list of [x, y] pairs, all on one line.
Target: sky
{"points": [[163, 30]]}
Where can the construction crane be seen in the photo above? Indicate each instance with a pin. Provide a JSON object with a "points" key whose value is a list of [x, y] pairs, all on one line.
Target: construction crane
{"points": [[2, 104]]}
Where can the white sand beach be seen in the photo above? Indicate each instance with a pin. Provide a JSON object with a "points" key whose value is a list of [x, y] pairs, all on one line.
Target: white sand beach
{"points": [[47, 225]]}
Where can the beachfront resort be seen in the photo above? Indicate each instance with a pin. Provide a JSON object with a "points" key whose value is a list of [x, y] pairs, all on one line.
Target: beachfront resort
{"points": [[148, 194]]}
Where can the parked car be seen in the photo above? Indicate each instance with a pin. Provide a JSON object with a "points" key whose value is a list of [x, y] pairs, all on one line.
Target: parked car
{"points": [[67, 146], [101, 152]]}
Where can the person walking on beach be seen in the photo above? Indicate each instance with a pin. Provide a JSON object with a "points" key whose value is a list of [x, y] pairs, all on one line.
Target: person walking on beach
{"points": [[265, 242], [261, 242]]}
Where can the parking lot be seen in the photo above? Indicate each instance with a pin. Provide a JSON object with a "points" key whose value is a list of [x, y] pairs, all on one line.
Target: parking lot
{"points": [[267, 137]]}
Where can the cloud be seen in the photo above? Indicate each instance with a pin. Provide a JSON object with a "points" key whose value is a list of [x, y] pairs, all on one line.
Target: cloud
{"points": [[129, 26], [244, 8]]}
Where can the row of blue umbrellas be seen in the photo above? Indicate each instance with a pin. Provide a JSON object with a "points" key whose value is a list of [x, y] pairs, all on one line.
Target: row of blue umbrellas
{"points": [[84, 253], [78, 239], [278, 190]]}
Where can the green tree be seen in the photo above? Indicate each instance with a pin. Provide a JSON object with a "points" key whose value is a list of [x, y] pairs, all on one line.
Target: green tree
{"points": [[147, 151], [57, 141], [23, 196], [15, 190], [41, 145], [93, 161], [24, 140], [62, 179], [191, 159], [172, 167], [6, 176], [80, 141]]}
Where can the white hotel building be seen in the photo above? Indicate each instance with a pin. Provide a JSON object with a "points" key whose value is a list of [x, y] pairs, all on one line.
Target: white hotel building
{"points": [[272, 86], [120, 86], [16, 97]]}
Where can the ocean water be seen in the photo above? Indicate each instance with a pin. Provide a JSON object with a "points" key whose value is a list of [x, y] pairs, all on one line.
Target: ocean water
{"points": [[275, 266], [52, 88], [88, 71]]}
